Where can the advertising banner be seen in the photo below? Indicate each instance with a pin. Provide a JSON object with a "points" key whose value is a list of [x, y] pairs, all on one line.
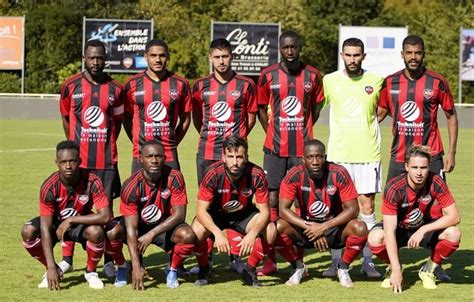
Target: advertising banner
{"points": [[383, 46], [125, 42], [11, 43], [255, 45], [467, 54]]}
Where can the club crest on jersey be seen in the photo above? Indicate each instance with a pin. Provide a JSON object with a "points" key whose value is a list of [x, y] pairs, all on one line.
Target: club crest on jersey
{"points": [[246, 192], [319, 210], [307, 86], [67, 212], [369, 89], [111, 99], [83, 199], [425, 199], [428, 93], [151, 214], [174, 94], [235, 94], [165, 193], [331, 189], [232, 206]]}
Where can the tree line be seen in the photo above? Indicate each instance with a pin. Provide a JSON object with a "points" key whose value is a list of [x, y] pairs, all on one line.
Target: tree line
{"points": [[54, 31]]}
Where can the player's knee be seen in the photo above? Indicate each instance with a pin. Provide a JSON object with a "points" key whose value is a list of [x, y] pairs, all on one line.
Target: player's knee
{"points": [[358, 228], [273, 198], [28, 232], [184, 235], [95, 233], [453, 234], [116, 233], [375, 237], [281, 226]]}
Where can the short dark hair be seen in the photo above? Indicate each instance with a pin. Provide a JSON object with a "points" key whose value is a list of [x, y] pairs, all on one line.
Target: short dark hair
{"points": [[418, 150], [234, 142], [316, 143], [291, 34], [94, 43], [413, 40], [353, 42], [157, 42], [220, 43], [152, 143], [63, 145]]}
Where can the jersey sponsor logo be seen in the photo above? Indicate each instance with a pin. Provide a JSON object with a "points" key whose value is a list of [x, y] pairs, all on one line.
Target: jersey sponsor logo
{"points": [[428, 93], [232, 206], [78, 95], [165, 193], [410, 111], [174, 94], [318, 210], [291, 105], [369, 89], [156, 111], [235, 94], [151, 214], [307, 189], [94, 116], [246, 192], [221, 111], [111, 99], [275, 86], [425, 199], [394, 91], [59, 199], [144, 199], [220, 191], [83, 199], [331, 189], [209, 93], [156, 91], [414, 218], [139, 93], [67, 212], [95, 95], [307, 86]]}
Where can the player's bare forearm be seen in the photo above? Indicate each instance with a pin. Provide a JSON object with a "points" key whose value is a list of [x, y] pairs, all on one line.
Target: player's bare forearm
{"points": [[453, 135], [65, 120], [263, 116], [128, 126], [131, 223], [263, 218], [389, 229], [178, 216], [46, 240], [450, 217], [197, 120], [287, 214], [183, 126], [251, 118], [350, 210], [100, 218], [203, 216]]}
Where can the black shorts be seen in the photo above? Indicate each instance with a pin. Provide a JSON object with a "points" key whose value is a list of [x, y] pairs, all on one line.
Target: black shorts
{"points": [[237, 222], [275, 168], [201, 166], [137, 165], [403, 235], [75, 232], [333, 237], [397, 168], [163, 240], [111, 180]]}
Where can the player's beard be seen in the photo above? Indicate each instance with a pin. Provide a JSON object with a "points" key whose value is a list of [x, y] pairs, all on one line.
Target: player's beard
{"points": [[292, 66], [354, 72]]}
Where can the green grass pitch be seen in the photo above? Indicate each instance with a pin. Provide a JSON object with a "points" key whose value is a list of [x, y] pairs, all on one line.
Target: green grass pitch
{"points": [[27, 158]]}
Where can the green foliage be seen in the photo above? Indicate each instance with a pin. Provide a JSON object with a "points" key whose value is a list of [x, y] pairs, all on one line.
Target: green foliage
{"points": [[10, 82], [67, 71]]}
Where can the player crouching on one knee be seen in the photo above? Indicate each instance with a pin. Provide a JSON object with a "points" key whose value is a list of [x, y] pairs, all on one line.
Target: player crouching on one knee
{"points": [[328, 210], [153, 207], [418, 211]]}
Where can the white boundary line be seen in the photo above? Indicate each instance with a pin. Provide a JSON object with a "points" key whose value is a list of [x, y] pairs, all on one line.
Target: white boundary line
{"points": [[26, 150]]}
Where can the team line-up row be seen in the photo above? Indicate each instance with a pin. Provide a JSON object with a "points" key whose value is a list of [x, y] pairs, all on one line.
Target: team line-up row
{"points": [[330, 191]]}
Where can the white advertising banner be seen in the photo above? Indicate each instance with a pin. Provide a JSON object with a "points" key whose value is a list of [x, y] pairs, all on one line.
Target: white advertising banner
{"points": [[382, 46]]}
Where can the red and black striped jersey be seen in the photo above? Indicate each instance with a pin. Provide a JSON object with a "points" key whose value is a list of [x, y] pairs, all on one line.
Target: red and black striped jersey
{"points": [[413, 105], [93, 110], [291, 98], [153, 204], [227, 197], [61, 201], [225, 108], [156, 107], [322, 200], [413, 208]]}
